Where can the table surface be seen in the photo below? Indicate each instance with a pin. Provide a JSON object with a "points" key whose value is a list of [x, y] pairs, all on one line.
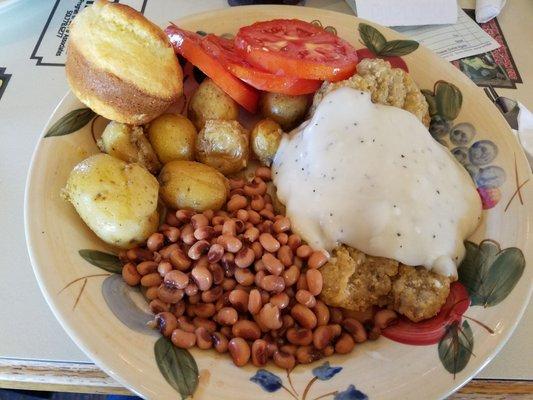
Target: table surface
{"points": [[35, 352]]}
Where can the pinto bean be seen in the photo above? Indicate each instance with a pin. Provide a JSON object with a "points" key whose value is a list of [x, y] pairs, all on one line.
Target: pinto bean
{"points": [[284, 360], [169, 294], [321, 311], [130, 274], [317, 259], [307, 354], [227, 316], [304, 251], [245, 257], [270, 316], [300, 336], [254, 301], [345, 344], [152, 279], [272, 264], [304, 316], [385, 318], [179, 260], [220, 342], [146, 267], [259, 353], [176, 279], [166, 323], [244, 276], [314, 281], [155, 241], [268, 242], [203, 338], [239, 351], [183, 339], [264, 173], [306, 298]]}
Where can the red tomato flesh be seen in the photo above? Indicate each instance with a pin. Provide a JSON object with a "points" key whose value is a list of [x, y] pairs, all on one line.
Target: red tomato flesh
{"points": [[297, 48], [224, 50], [432, 330], [191, 46]]}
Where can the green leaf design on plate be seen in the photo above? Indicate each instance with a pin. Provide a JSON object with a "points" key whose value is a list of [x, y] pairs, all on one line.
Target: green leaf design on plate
{"points": [[372, 38], [377, 44], [71, 122], [449, 100], [106, 261], [177, 366], [398, 48], [489, 273], [432, 101], [455, 348]]}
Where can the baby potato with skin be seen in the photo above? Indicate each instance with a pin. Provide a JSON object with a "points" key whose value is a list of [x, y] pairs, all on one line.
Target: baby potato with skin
{"points": [[115, 199], [265, 139], [286, 110], [128, 143], [172, 137], [211, 102], [192, 185], [224, 145]]}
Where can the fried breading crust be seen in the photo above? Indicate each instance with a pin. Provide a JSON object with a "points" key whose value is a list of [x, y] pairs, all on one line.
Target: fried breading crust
{"points": [[418, 293], [356, 281], [387, 85]]}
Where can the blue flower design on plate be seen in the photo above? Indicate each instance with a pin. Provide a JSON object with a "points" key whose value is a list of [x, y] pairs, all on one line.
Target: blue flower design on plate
{"points": [[351, 394], [326, 372], [482, 152], [267, 380], [490, 177]]}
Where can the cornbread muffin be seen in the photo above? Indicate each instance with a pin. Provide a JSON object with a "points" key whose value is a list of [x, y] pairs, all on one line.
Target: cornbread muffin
{"points": [[121, 65], [387, 85], [356, 281]]}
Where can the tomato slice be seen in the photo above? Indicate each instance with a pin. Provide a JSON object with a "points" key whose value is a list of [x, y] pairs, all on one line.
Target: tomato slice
{"points": [[297, 48], [395, 61], [190, 45], [224, 50], [432, 330]]}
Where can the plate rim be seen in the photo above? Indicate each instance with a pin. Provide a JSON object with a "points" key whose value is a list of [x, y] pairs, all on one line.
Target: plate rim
{"points": [[29, 234]]}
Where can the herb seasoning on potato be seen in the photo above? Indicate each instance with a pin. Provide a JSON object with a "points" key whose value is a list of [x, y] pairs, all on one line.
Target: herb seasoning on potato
{"points": [[192, 185]]}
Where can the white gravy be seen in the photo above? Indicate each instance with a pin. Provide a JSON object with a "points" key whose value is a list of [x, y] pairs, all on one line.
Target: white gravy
{"points": [[372, 177]]}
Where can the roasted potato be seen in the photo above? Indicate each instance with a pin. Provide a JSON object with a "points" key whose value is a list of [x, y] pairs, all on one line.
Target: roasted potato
{"points": [[128, 143], [211, 102], [265, 138], [286, 110], [172, 137], [192, 185], [223, 145], [116, 200]]}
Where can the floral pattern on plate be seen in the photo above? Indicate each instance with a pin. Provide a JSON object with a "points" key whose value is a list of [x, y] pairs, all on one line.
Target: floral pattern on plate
{"points": [[486, 276]]}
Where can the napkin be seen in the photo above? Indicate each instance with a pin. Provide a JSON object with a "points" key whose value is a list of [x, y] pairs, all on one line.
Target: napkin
{"points": [[406, 12], [488, 9], [525, 131]]}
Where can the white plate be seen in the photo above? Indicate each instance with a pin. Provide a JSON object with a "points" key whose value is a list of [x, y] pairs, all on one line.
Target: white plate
{"points": [[105, 318]]}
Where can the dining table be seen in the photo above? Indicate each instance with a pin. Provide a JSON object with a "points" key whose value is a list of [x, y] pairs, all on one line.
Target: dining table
{"points": [[35, 352]]}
